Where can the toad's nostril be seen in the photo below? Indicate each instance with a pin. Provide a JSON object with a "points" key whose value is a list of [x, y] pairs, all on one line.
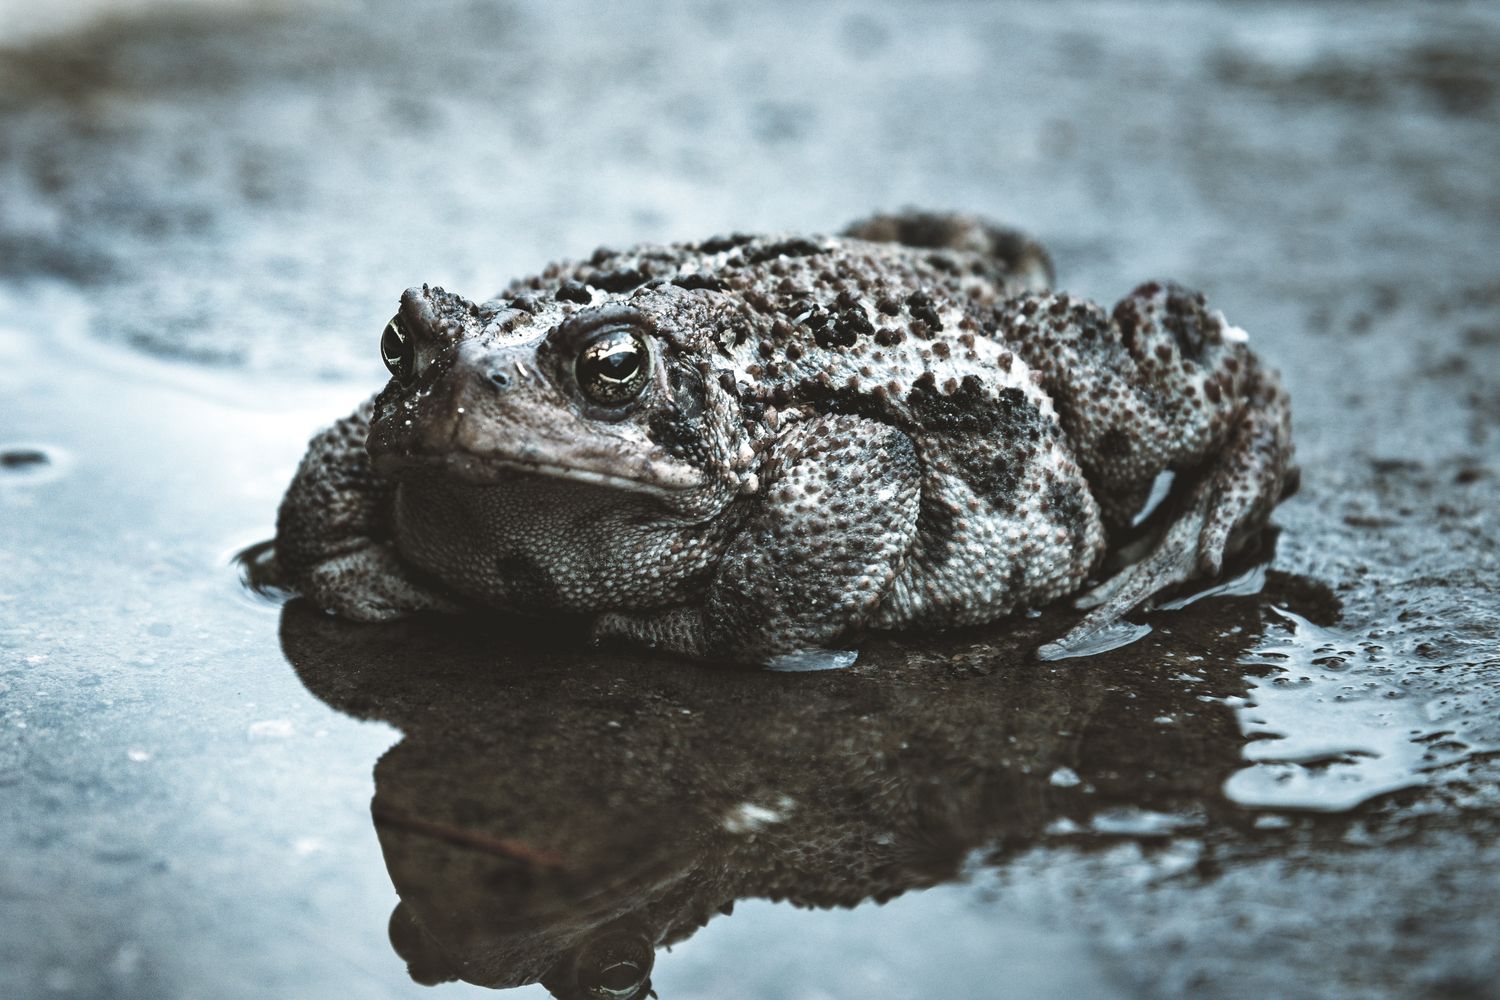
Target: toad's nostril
{"points": [[500, 378]]}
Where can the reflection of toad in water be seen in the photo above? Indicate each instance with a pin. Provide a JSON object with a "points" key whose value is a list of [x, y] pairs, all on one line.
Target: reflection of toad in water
{"points": [[556, 816]]}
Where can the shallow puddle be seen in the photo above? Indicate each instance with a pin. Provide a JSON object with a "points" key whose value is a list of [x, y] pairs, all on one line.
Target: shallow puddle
{"points": [[1329, 732], [547, 806]]}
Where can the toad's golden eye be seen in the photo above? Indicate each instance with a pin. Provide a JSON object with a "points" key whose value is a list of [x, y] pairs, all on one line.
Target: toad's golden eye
{"points": [[614, 367], [398, 351]]}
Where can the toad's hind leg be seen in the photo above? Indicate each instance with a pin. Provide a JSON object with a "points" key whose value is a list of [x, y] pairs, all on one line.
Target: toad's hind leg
{"points": [[1229, 501], [1019, 263]]}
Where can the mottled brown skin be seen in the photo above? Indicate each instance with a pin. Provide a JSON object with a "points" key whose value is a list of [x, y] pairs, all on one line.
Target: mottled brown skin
{"points": [[899, 427]]}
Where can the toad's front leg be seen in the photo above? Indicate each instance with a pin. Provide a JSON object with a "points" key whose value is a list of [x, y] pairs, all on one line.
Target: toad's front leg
{"points": [[837, 514], [332, 533]]}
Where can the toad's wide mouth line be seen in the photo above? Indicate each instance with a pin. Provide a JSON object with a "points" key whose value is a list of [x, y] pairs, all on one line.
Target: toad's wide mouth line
{"points": [[488, 470]]}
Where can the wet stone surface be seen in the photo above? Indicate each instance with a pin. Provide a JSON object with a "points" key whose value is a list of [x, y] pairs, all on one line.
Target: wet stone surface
{"points": [[1288, 789]]}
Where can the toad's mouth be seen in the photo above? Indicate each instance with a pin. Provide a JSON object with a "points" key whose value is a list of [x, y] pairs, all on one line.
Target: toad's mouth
{"points": [[652, 478]]}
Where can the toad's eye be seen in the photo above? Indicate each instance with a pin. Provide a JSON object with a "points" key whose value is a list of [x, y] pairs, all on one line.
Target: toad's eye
{"points": [[616, 967], [620, 980], [398, 351], [614, 367]]}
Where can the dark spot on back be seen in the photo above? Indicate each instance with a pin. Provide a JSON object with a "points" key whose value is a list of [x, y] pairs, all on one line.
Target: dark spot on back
{"points": [[846, 328], [920, 304], [967, 410], [574, 291], [944, 263], [699, 280], [926, 229], [992, 475], [718, 244], [622, 280], [1186, 320], [797, 247], [1068, 508], [833, 338], [827, 399], [1007, 420], [1127, 317]]}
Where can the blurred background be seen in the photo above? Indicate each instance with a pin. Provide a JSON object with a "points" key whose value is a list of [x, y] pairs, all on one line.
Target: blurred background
{"points": [[207, 211]]}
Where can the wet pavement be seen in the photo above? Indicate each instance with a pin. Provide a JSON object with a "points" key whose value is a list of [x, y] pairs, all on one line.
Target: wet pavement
{"points": [[205, 216]]}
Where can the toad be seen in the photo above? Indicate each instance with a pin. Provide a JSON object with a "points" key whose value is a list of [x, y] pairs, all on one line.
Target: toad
{"points": [[751, 446]]}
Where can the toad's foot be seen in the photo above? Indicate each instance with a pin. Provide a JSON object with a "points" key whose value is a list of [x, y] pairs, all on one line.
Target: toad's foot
{"points": [[369, 584], [1174, 560]]}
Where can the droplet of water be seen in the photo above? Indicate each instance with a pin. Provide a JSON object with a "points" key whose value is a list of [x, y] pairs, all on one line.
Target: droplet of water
{"points": [[748, 817], [1131, 821], [1064, 777], [813, 659]]}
